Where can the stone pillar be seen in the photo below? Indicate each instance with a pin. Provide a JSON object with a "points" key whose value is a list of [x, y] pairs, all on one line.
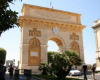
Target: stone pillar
{"points": [[44, 53], [61, 49], [97, 51], [24, 57]]}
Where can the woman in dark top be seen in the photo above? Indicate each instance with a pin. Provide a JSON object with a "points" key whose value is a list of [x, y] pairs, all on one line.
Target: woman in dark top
{"points": [[84, 67], [93, 71], [11, 72]]}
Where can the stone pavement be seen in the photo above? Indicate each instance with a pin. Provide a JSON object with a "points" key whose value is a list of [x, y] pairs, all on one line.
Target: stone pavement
{"points": [[89, 76], [7, 77]]}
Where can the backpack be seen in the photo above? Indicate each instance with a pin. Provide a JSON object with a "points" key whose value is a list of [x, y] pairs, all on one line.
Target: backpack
{"points": [[10, 69], [4, 69]]}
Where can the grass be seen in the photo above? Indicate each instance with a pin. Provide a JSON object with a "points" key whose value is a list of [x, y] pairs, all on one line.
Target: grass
{"points": [[48, 77]]}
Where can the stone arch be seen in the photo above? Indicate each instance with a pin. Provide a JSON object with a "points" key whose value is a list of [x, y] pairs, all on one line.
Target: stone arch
{"points": [[75, 47], [59, 41], [34, 53]]}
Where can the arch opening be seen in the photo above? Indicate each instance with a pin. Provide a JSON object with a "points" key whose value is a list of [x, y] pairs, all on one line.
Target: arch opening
{"points": [[52, 46], [55, 44]]}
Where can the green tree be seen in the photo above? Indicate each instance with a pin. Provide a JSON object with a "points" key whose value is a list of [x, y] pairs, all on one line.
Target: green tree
{"points": [[51, 56], [62, 63], [8, 18], [50, 60], [44, 68], [3, 55]]}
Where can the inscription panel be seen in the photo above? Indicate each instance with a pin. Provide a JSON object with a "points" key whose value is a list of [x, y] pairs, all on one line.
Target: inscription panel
{"points": [[34, 54], [52, 15]]}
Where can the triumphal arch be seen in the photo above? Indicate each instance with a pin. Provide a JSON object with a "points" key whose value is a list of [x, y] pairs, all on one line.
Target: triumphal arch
{"points": [[39, 25]]}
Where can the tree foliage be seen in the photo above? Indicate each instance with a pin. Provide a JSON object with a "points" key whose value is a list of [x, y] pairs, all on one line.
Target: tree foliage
{"points": [[8, 18], [62, 63], [51, 56], [3, 55], [73, 58], [44, 68]]}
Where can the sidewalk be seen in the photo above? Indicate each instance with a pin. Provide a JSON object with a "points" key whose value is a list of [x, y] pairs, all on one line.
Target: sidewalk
{"points": [[7, 77], [77, 77]]}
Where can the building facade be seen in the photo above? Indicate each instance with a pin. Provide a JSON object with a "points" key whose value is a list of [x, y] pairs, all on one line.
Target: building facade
{"points": [[39, 25], [96, 27], [9, 62]]}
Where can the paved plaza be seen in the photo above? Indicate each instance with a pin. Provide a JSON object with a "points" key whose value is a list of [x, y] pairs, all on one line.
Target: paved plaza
{"points": [[89, 76], [7, 77]]}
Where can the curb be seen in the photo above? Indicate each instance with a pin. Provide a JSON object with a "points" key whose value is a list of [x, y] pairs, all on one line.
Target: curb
{"points": [[38, 78], [77, 77], [67, 76]]}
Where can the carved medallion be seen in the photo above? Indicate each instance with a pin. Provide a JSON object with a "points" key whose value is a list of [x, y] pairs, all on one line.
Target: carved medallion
{"points": [[56, 30]]}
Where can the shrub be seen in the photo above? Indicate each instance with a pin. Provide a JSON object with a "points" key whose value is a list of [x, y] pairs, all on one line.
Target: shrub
{"points": [[62, 63], [2, 55], [44, 68]]}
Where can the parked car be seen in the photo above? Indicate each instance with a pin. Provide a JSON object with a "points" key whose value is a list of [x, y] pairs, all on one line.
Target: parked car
{"points": [[75, 72]]}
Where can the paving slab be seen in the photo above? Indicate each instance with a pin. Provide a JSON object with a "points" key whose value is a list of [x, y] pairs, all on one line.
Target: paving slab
{"points": [[7, 77]]}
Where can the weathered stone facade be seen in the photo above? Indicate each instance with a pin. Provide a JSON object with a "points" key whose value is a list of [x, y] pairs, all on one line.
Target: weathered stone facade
{"points": [[96, 27], [9, 62], [38, 25]]}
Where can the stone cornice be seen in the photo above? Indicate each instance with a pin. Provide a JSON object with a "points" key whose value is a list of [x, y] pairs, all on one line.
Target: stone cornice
{"points": [[31, 19], [49, 24], [47, 9], [95, 26]]}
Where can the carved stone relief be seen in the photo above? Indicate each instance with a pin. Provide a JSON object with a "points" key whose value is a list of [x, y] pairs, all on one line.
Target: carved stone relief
{"points": [[49, 26], [74, 37], [75, 47], [34, 44], [34, 33], [34, 48]]}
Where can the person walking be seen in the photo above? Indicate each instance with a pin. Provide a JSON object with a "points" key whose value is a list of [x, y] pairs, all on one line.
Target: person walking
{"points": [[2, 71], [11, 71], [93, 71], [84, 68]]}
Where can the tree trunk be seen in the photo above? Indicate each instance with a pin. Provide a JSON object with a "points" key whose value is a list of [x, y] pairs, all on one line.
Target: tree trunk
{"points": [[68, 70]]}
